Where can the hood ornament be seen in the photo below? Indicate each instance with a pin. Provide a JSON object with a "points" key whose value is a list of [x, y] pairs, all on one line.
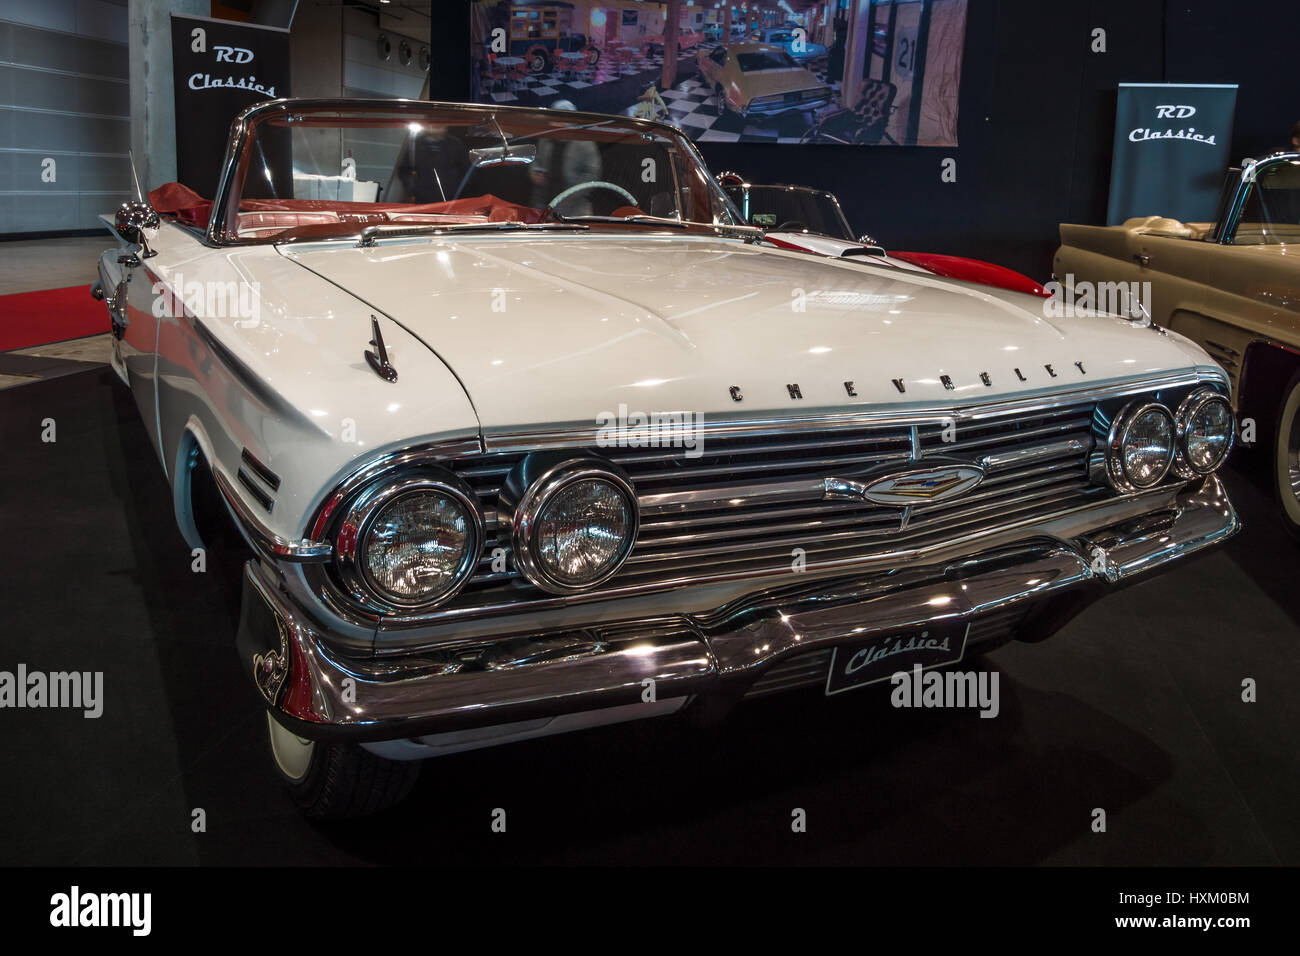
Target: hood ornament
{"points": [[917, 484], [379, 358]]}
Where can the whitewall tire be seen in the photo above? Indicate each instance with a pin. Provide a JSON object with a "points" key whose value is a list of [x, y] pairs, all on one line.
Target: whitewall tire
{"points": [[334, 781], [1286, 457]]}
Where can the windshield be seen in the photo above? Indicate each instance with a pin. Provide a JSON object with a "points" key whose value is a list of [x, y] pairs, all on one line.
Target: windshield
{"points": [[791, 209], [766, 60], [323, 172], [1271, 214]]}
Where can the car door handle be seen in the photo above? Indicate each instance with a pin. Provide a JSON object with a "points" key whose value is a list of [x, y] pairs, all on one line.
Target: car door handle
{"points": [[1142, 259]]}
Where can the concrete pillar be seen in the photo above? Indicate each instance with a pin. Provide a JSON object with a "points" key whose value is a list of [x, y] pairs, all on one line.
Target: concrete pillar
{"points": [[671, 31], [316, 50], [857, 47], [153, 108]]}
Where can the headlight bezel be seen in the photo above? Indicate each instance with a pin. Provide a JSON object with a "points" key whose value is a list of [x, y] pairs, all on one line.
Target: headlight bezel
{"points": [[1116, 472], [532, 485], [351, 537], [1187, 409]]}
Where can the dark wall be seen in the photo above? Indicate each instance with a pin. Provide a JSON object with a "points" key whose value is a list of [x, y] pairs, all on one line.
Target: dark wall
{"points": [[1036, 122]]}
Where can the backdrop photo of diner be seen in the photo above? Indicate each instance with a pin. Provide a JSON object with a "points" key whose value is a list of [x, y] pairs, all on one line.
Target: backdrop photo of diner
{"points": [[848, 72]]}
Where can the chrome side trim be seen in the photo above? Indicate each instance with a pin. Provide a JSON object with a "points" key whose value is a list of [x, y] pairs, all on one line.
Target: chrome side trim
{"points": [[1021, 456], [765, 492], [262, 537]]}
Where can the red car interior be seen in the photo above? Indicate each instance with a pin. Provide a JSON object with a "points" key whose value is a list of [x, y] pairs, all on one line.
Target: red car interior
{"points": [[267, 218]]}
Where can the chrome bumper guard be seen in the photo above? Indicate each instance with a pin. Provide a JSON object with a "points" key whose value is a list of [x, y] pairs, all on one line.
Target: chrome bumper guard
{"points": [[321, 694]]}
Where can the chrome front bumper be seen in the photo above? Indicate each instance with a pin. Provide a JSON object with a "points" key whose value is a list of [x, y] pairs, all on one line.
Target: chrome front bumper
{"points": [[774, 108], [320, 693]]}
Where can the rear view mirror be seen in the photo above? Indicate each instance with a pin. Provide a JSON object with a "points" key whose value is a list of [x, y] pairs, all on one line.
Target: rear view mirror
{"points": [[523, 155]]}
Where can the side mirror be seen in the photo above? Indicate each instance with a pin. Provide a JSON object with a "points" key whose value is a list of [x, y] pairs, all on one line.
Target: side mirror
{"points": [[136, 223]]}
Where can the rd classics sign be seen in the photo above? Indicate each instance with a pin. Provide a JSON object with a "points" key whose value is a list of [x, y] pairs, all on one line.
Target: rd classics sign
{"points": [[1171, 150], [220, 67]]}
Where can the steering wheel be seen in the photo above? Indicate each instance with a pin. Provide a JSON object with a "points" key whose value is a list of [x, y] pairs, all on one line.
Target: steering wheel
{"points": [[792, 225], [580, 187]]}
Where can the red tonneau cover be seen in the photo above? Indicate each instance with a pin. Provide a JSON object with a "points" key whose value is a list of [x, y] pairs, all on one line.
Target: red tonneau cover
{"points": [[188, 206]]}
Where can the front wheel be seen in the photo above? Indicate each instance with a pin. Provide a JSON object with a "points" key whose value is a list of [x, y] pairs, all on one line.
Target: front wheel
{"points": [[1286, 457], [719, 102], [538, 60], [330, 781]]}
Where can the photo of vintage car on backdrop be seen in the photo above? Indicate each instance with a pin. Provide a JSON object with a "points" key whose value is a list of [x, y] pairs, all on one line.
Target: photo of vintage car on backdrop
{"points": [[752, 79], [554, 449], [1232, 286], [748, 73]]}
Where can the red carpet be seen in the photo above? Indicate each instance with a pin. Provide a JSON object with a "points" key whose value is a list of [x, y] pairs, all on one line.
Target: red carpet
{"points": [[53, 315]]}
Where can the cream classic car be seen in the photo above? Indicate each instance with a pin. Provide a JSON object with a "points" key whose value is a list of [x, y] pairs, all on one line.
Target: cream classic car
{"points": [[759, 79], [505, 468], [1232, 286]]}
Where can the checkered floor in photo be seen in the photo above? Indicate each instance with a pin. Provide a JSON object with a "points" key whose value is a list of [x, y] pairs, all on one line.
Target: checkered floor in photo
{"points": [[690, 101]]}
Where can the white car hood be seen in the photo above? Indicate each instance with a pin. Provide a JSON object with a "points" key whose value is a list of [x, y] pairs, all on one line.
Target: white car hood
{"points": [[556, 330]]}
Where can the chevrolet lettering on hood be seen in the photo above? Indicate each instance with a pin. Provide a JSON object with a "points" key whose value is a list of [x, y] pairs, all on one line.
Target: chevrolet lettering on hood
{"points": [[454, 543]]}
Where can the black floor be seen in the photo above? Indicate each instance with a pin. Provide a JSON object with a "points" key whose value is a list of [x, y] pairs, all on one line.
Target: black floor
{"points": [[1135, 709]]}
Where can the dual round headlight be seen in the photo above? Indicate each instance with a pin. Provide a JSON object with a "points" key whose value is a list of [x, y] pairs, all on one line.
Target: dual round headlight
{"points": [[572, 522], [410, 542], [1206, 430], [1146, 440], [407, 543]]}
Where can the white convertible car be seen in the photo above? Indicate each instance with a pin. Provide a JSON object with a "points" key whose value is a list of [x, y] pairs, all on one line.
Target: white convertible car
{"points": [[527, 432]]}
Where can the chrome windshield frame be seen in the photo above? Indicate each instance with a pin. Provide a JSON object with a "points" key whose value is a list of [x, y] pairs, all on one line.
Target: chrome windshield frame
{"points": [[1235, 194], [243, 125]]}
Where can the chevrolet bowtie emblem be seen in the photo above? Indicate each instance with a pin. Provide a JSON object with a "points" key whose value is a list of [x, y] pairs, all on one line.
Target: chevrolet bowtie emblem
{"points": [[919, 484]]}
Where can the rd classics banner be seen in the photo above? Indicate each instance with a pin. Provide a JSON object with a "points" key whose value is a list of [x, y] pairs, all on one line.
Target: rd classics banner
{"points": [[1171, 150], [219, 68]]}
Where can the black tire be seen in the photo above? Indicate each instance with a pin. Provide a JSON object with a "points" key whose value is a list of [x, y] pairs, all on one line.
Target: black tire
{"points": [[1286, 457], [343, 781]]}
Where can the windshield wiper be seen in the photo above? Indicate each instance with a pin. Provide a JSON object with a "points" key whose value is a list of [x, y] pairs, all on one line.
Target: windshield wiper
{"points": [[640, 220], [372, 234]]}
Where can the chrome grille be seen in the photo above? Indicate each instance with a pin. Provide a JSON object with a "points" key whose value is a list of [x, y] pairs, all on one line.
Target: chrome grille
{"points": [[747, 502]]}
